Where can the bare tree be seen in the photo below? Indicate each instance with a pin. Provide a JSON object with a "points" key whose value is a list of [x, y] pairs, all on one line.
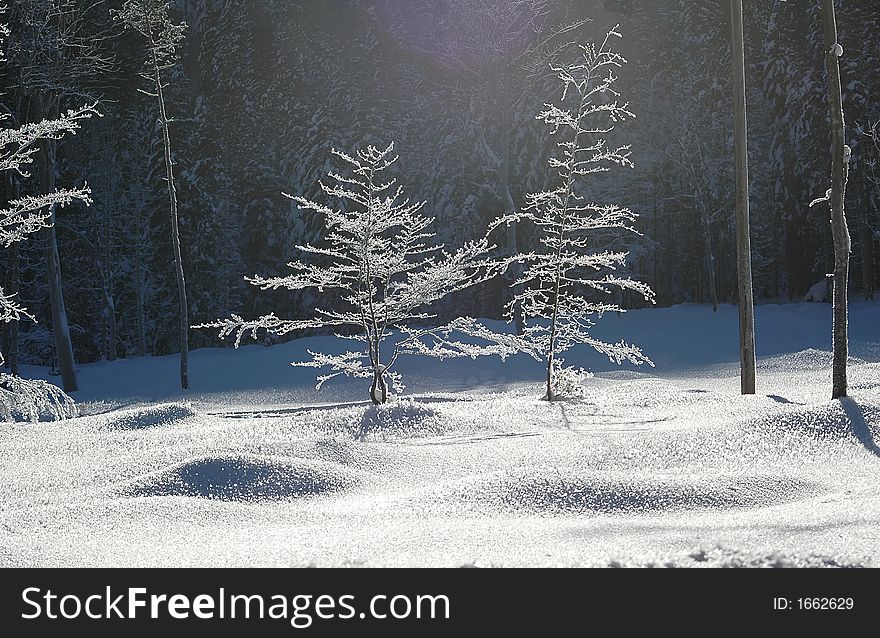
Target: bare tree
{"points": [[745, 293], [690, 156], [835, 198], [152, 20], [58, 51], [21, 217]]}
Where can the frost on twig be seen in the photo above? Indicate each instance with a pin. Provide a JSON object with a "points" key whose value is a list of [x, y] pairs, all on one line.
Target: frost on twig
{"points": [[380, 262], [21, 399]]}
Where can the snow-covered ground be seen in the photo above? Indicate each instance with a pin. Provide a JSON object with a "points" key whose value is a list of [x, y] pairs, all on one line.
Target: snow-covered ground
{"points": [[656, 466]]}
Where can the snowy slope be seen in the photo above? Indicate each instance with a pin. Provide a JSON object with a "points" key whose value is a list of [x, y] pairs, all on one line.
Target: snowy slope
{"points": [[662, 466], [676, 339]]}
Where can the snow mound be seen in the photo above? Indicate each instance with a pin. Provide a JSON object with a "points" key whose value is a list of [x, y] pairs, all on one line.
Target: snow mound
{"points": [[401, 418], [836, 419], [554, 492], [148, 417], [726, 557], [246, 478], [809, 359]]}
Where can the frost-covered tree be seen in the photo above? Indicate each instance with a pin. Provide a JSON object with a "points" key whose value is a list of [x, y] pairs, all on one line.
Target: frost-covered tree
{"points": [[57, 59], [21, 218], [380, 259], [152, 20], [566, 286]]}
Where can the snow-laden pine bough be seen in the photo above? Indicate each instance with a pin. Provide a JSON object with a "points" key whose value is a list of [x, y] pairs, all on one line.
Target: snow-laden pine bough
{"points": [[20, 398], [387, 273], [559, 295]]}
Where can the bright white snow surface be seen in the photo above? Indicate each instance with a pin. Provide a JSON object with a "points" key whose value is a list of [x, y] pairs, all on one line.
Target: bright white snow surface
{"points": [[663, 466]]}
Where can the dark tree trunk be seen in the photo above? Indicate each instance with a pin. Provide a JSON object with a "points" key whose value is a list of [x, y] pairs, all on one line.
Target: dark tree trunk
{"points": [[10, 344], [139, 303], [839, 173], [708, 257], [60, 326], [745, 295], [869, 282], [107, 277]]}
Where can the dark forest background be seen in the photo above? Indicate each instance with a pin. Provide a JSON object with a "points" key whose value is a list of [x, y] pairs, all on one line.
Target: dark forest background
{"points": [[266, 88]]}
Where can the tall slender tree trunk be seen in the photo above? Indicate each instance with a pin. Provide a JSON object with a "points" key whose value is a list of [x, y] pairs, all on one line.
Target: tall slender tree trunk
{"points": [[139, 302], [840, 154], [175, 228], [106, 273], [11, 345], [708, 257], [745, 293], [867, 239], [60, 326]]}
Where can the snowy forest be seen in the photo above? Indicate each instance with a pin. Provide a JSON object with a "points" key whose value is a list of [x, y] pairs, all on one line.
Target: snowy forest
{"points": [[261, 95], [438, 270]]}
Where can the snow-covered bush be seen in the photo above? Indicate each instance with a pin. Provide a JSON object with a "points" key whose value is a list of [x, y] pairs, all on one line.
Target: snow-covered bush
{"points": [[558, 296], [33, 400], [386, 272]]}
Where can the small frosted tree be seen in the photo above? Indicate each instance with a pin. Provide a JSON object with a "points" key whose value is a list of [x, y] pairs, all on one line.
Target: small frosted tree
{"points": [[565, 285], [22, 217], [380, 261]]}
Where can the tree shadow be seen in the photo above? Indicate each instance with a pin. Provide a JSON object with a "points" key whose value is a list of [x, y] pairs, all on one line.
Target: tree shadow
{"points": [[860, 428], [281, 412]]}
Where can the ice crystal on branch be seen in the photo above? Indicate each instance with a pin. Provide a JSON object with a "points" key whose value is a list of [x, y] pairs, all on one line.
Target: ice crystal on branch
{"points": [[379, 257]]}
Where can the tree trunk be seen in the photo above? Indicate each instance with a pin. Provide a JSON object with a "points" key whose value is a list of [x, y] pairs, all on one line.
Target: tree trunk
{"points": [[60, 326], [175, 230], [840, 154], [109, 301], [379, 389], [708, 257], [10, 330], [867, 236], [139, 302], [745, 295]]}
